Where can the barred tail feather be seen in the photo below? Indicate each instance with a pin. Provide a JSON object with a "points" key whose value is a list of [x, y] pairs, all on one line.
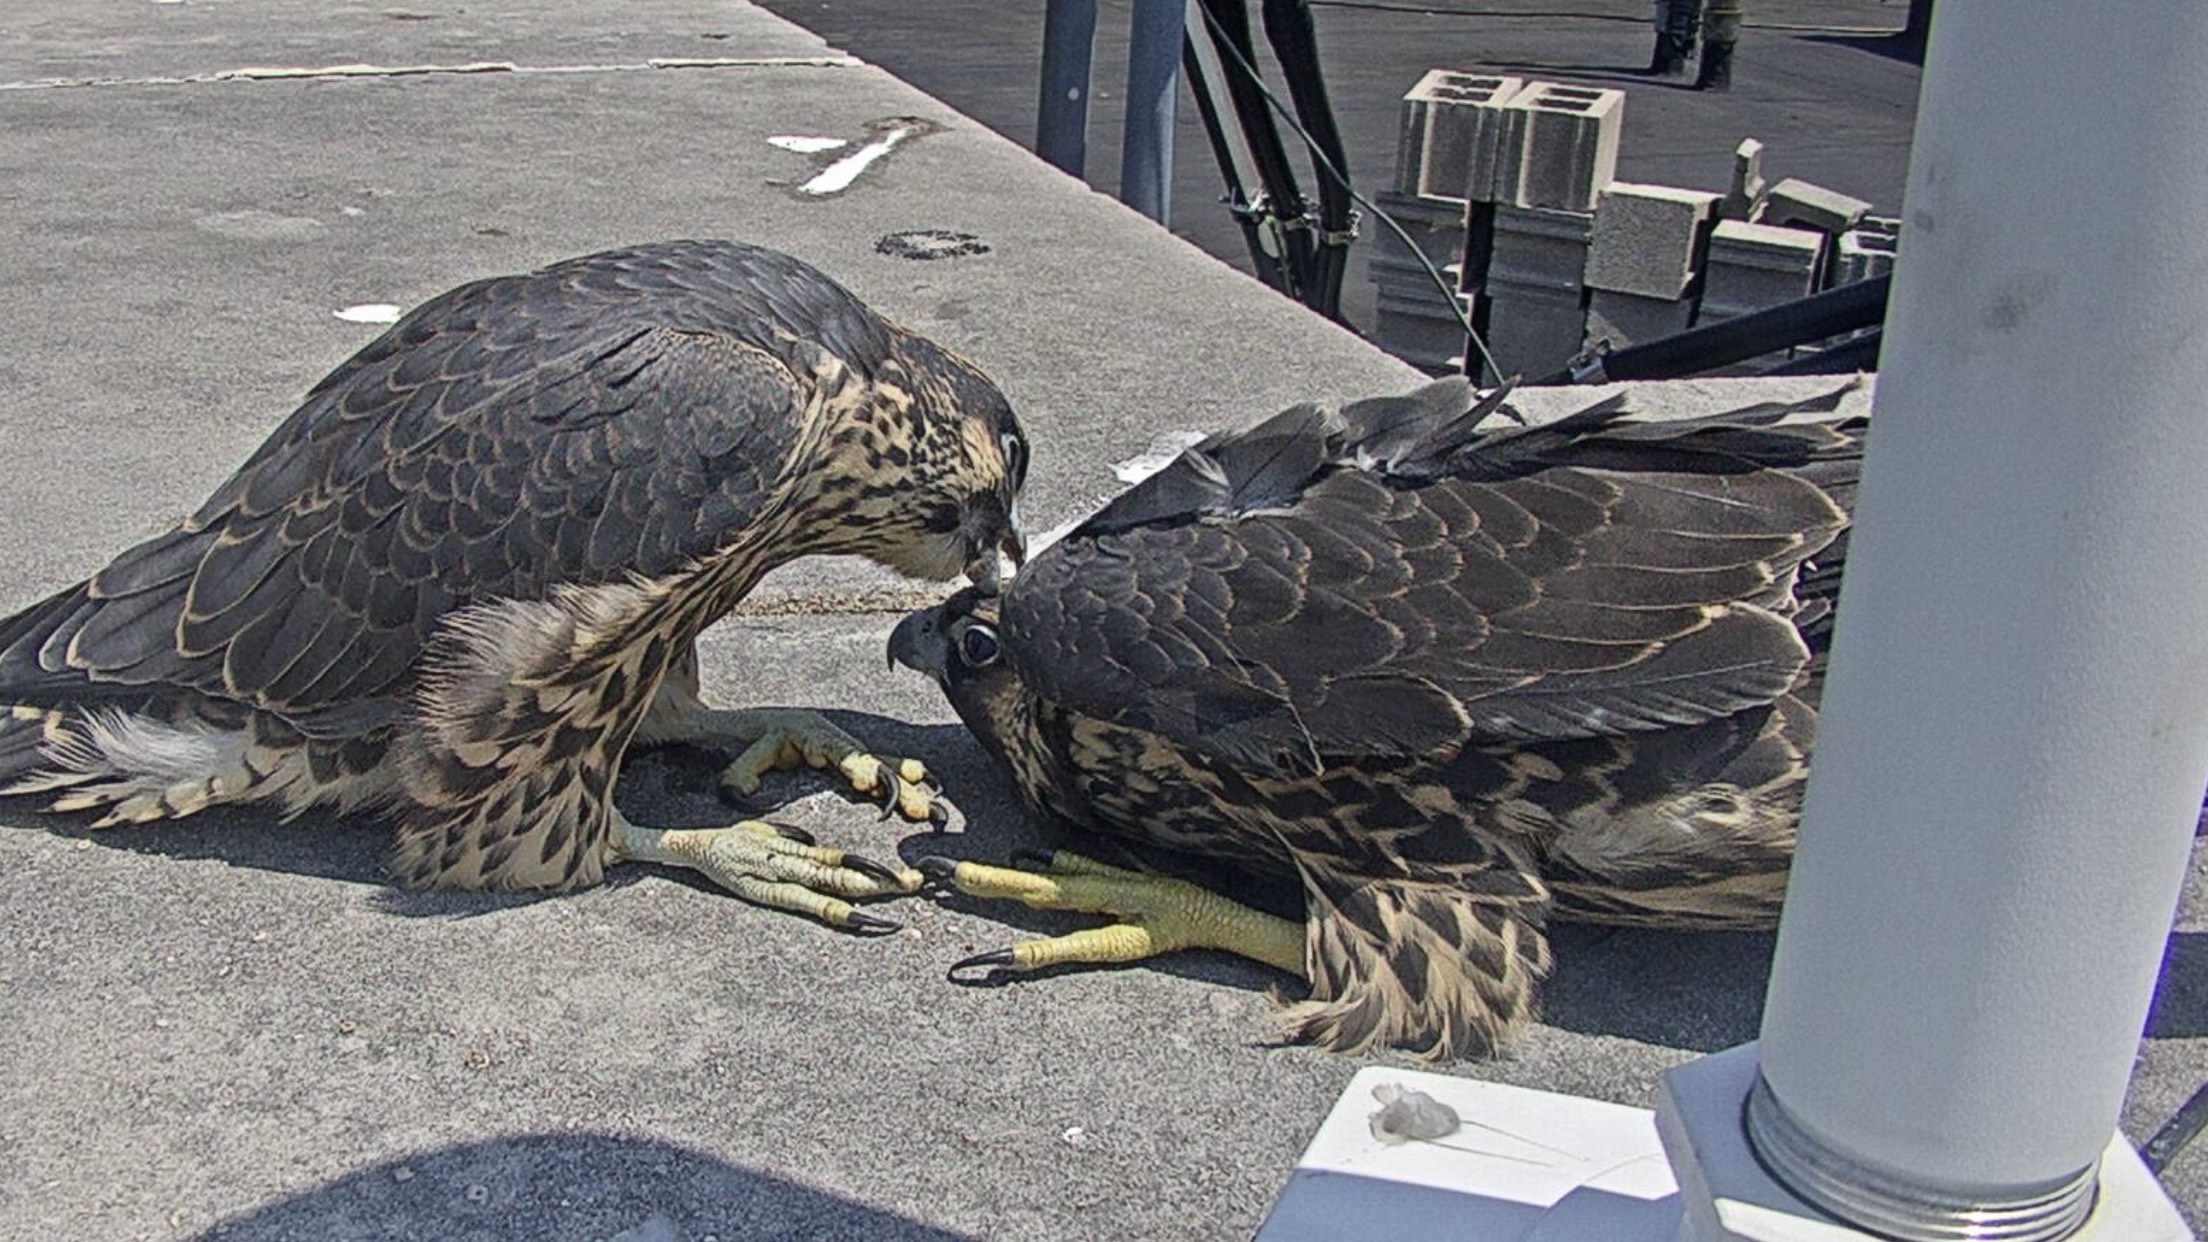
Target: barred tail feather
{"points": [[1428, 968]]}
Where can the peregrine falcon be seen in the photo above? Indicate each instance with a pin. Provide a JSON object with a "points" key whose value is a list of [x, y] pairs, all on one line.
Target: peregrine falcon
{"points": [[468, 572], [1450, 681]]}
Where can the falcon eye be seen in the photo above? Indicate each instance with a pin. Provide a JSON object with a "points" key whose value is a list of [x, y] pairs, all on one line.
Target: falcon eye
{"points": [[978, 647]]}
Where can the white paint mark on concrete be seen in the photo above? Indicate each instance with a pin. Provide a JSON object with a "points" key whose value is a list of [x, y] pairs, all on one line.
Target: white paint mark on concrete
{"points": [[369, 312], [806, 146], [837, 177]]}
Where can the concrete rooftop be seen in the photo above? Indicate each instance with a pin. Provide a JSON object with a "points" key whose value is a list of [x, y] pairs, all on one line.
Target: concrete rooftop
{"points": [[232, 1027]]}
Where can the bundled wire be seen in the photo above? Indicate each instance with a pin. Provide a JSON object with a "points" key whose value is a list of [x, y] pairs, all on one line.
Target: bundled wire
{"points": [[1251, 82]]}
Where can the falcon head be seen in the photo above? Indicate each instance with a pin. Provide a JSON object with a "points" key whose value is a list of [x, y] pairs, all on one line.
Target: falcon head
{"points": [[956, 643], [944, 480]]}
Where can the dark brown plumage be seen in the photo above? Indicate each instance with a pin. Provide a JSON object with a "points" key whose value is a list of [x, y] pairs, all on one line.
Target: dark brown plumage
{"points": [[1456, 681], [469, 569]]}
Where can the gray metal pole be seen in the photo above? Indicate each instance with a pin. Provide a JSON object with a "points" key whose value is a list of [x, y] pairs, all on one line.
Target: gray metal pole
{"points": [[2015, 731], [1153, 93], [1062, 113]]}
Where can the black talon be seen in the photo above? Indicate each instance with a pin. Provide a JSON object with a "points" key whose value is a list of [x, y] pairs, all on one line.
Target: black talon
{"points": [[939, 814], [870, 924], [892, 791], [873, 870], [997, 961], [731, 798], [936, 868], [791, 832]]}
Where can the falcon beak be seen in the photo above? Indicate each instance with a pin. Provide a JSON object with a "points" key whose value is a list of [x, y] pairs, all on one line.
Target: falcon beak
{"points": [[986, 572], [986, 568], [918, 643]]}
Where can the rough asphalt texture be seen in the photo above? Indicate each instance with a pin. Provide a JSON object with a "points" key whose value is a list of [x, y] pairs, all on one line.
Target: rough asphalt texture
{"points": [[232, 1027]]}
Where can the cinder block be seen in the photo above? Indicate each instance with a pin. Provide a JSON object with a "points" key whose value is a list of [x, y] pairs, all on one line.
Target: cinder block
{"points": [[1409, 283], [1628, 319], [1436, 228], [1648, 239], [1540, 246], [1534, 331], [1426, 336], [1451, 124], [1860, 255], [1744, 199], [1797, 202], [1559, 146], [1752, 266]]}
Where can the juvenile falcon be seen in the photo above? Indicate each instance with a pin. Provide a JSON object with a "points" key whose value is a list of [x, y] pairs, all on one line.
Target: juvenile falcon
{"points": [[1453, 681], [467, 574]]}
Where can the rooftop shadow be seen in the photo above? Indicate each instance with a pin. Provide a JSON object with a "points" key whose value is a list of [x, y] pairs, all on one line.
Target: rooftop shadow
{"points": [[667, 786], [567, 1186]]}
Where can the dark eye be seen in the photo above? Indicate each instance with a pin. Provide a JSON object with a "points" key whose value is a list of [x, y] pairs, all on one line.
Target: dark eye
{"points": [[978, 647]]}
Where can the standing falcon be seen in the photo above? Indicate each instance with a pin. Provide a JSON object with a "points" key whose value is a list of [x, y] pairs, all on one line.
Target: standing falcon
{"points": [[469, 571], [1453, 681]]}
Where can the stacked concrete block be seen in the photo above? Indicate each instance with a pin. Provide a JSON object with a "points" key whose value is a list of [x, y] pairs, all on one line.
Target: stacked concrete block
{"points": [[1801, 204], [1535, 291], [1452, 123], [1417, 320], [1558, 147], [1540, 246], [1865, 251], [1648, 239], [1423, 332], [1533, 332], [1645, 253], [1623, 319], [1744, 199], [1435, 226], [1754, 266]]}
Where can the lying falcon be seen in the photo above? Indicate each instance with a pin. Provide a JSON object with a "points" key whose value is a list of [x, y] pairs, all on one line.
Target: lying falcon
{"points": [[1454, 681], [468, 573]]}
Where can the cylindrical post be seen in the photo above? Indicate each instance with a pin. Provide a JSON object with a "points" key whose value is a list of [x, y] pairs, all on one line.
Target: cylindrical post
{"points": [[1153, 91], [1062, 113], [2015, 729]]}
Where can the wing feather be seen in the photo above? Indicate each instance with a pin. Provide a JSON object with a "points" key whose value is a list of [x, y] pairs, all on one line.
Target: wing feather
{"points": [[504, 438], [1426, 586]]}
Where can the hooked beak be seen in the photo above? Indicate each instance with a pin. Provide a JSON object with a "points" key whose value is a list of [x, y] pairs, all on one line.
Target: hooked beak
{"points": [[985, 570], [918, 643]]}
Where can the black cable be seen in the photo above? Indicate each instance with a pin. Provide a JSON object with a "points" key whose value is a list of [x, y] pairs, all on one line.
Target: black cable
{"points": [[1267, 265], [1295, 40], [2176, 1134], [1846, 358], [1845, 309], [1229, 24], [1449, 292]]}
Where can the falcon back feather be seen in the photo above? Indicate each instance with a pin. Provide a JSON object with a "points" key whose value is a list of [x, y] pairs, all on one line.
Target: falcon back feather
{"points": [[455, 577], [1458, 679]]}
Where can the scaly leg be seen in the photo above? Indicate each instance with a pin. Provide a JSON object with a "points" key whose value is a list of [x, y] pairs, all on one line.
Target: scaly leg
{"points": [[776, 740], [1159, 914], [772, 866]]}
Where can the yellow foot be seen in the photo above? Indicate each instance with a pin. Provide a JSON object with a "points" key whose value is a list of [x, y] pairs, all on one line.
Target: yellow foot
{"points": [[774, 866], [783, 740], [1158, 915]]}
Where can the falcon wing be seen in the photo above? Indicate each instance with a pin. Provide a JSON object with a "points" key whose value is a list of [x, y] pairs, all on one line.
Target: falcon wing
{"points": [[506, 437], [1378, 581]]}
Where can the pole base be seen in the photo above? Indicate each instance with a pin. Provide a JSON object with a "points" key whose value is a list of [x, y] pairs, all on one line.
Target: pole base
{"points": [[1726, 1196]]}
